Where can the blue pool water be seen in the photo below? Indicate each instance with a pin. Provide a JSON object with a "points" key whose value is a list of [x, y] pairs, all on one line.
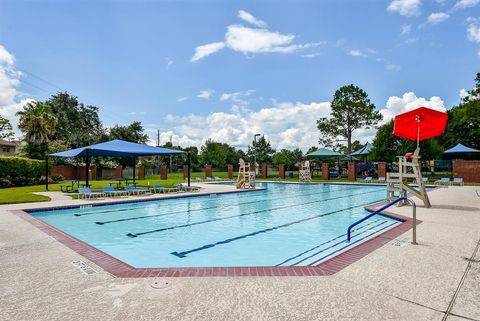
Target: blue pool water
{"points": [[285, 224]]}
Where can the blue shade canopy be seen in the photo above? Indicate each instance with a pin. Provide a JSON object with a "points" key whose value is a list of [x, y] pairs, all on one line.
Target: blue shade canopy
{"points": [[365, 150], [323, 153], [350, 158], [117, 148], [460, 149]]}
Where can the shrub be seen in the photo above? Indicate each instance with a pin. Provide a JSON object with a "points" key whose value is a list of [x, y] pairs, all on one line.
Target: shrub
{"points": [[19, 171]]}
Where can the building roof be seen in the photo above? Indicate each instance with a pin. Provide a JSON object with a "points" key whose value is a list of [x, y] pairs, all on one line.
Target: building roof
{"points": [[4, 142]]}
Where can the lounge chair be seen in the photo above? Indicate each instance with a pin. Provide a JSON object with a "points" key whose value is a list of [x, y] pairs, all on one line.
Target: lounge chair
{"points": [[112, 192], [157, 188], [458, 181], [88, 193], [185, 188], [367, 179], [424, 179], [443, 181], [209, 179], [198, 179], [217, 178], [381, 180], [132, 190]]}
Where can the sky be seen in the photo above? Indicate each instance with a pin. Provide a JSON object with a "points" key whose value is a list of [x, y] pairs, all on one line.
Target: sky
{"points": [[227, 70]]}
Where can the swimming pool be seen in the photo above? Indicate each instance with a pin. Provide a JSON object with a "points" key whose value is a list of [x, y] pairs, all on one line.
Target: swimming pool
{"points": [[282, 225]]}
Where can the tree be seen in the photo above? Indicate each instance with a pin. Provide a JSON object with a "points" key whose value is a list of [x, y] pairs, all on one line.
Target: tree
{"points": [[77, 124], [351, 109], [213, 153], [261, 149], [6, 130], [386, 146], [312, 149], [37, 122], [282, 157], [356, 145], [132, 133], [464, 121]]}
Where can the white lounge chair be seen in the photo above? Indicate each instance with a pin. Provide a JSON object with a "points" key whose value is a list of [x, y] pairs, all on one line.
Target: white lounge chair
{"points": [[424, 179], [368, 179], [458, 181], [381, 180], [443, 181]]}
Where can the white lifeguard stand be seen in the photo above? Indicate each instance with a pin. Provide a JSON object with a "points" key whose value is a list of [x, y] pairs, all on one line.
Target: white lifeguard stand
{"points": [[304, 173], [398, 182], [246, 177]]}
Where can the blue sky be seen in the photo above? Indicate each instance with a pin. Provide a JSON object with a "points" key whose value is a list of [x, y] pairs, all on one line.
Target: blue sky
{"points": [[279, 64]]}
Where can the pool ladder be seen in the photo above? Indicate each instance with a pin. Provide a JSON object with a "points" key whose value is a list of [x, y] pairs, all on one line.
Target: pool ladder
{"points": [[380, 210]]}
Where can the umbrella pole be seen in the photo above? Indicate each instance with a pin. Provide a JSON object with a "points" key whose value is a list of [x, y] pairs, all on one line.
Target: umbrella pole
{"points": [[418, 136]]}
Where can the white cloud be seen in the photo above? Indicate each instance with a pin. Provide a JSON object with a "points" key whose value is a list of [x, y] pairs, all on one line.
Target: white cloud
{"points": [[393, 67], [411, 40], [205, 94], [206, 50], [397, 105], [463, 4], [168, 63], [251, 41], [437, 17], [11, 100], [463, 93], [245, 16], [286, 125], [405, 29], [473, 30], [406, 8], [182, 99], [357, 53], [237, 97], [311, 55]]}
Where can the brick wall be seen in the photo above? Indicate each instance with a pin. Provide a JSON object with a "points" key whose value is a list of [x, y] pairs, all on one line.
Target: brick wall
{"points": [[264, 170], [469, 170], [141, 172], [185, 171], [208, 170], [163, 172], [281, 171], [70, 172], [325, 171], [119, 171], [230, 171], [352, 175], [382, 169]]}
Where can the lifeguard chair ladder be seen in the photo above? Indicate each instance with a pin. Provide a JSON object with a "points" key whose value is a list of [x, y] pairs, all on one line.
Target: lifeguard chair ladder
{"points": [[398, 182], [304, 172], [246, 177]]}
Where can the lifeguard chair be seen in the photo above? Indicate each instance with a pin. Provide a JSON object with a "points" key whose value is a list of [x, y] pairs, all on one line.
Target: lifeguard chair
{"points": [[304, 173], [246, 177], [409, 167]]}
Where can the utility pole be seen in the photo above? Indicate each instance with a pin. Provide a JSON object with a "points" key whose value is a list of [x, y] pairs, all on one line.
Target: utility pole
{"points": [[158, 137], [171, 144]]}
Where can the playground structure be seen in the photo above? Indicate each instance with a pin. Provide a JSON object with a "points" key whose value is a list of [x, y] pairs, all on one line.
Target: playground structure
{"points": [[408, 168], [304, 173], [246, 177]]}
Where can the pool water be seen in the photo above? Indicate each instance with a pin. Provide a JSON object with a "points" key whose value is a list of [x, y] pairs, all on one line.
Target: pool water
{"points": [[283, 225]]}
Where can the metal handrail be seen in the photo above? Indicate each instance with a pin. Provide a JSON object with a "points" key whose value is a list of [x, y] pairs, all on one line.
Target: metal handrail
{"points": [[380, 210]]}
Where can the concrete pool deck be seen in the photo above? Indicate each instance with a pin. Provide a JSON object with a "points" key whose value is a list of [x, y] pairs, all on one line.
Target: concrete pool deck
{"points": [[398, 281]]}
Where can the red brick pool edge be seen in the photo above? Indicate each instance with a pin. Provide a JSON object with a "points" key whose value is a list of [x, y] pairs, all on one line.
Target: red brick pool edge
{"points": [[122, 270]]}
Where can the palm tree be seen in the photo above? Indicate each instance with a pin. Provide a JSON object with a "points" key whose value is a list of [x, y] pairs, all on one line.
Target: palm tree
{"points": [[37, 122]]}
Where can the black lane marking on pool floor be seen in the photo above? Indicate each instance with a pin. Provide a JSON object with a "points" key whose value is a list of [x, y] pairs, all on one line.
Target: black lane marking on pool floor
{"points": [[244, 214], [349, 244], [209, 208], [338, 243], [208, 246], [324, 243], [224, 197]]}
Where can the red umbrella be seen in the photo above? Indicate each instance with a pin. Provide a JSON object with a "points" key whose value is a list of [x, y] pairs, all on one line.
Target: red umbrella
{"points": [[420, 124]]}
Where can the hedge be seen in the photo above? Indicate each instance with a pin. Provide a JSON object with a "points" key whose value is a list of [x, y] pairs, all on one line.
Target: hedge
{"points": [[20, 171]]}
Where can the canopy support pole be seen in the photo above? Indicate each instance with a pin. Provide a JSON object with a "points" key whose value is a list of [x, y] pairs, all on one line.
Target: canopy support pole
{"points": [[46, 172], [134, 165], [87, 169], [188, 167]]}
